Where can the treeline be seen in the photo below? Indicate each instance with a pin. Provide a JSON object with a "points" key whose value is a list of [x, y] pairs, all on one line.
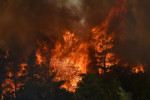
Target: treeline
{"points": [[35, 82]]}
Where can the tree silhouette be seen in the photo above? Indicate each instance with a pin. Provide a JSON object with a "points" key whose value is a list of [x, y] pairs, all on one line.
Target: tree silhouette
{"points": [[3, 62]]}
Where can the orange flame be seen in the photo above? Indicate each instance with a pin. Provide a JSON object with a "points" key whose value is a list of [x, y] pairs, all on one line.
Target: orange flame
{"points": [[103, 41], [138, 69], [39, 58], [9, 85], [70, 60]]}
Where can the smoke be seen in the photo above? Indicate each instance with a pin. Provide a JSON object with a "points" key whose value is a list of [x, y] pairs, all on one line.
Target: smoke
{"points": [[134, 44], [23, 22]]}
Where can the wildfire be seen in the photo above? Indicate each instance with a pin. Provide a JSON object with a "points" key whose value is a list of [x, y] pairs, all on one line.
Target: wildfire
{"points": [[70, 60], [102, 39], [70, 56]]}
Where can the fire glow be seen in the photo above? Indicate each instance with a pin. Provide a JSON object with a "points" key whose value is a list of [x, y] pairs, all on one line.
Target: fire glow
{"points": [[70, 56]]}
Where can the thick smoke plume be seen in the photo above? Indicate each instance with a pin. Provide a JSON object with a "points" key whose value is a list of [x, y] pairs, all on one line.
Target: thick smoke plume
{"points": [[23, 22]]}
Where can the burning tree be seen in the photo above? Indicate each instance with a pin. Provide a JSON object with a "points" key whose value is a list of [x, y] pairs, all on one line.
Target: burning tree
{"points": [[103, 36], [16, 76], [104, 55]]}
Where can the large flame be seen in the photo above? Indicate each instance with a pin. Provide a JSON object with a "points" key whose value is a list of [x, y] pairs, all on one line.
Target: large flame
{"points": [[70, 60]]}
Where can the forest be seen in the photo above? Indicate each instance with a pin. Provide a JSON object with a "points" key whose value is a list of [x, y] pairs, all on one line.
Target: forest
{"points": [[36, 83], [74, 50]]}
